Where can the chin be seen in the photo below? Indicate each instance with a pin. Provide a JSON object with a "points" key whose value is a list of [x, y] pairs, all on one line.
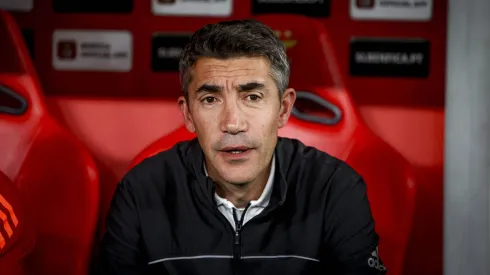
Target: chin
{"points": [[237, 178]]}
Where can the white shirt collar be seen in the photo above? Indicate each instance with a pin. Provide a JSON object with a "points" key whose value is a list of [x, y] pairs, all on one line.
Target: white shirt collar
{"points": [[264, 198]]}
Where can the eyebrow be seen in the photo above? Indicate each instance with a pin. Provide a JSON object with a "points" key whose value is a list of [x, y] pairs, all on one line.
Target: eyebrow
{"points": [[251, 86], [208, 88]]}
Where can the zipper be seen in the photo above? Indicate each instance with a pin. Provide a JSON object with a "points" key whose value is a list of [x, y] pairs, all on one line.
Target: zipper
{"points": [[238, 231], [239, 223]]}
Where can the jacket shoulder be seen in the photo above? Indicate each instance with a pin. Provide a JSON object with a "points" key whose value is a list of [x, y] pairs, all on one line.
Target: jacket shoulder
{"points": [[161, 168], [319, 166]]}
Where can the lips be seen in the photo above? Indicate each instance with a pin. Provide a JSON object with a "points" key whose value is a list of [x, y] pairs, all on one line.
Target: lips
{"points": [[235, 149]]}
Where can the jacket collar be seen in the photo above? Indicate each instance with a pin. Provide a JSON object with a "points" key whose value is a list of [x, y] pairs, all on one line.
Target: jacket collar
{"points": [[194, 158]]}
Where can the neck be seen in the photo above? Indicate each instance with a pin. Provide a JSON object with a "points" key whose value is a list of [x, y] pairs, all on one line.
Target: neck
{"points": [[241, 194]]}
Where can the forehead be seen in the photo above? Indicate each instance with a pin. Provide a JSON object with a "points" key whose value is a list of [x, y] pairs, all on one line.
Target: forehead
{"points": [[240, 69]]}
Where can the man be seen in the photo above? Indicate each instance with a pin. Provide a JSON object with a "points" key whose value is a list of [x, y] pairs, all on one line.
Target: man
{"points": [[238, 199]]}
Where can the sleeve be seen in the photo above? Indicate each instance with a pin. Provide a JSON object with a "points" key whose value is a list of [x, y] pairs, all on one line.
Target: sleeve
{"points": [[120, 250], [351, 241]]}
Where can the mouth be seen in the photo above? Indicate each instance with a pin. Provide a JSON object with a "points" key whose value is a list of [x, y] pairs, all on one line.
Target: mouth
{"points": [[236, 150]]}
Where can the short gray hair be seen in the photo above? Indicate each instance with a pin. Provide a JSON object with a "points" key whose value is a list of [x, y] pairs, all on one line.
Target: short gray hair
{"points": [[236, 38]]}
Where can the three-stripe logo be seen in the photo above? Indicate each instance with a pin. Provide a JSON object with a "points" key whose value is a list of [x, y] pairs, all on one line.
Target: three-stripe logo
{"points": [[8, 222]]}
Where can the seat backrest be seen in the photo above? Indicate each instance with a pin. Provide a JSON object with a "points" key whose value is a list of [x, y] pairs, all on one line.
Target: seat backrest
{"points": [[337, 129], [308, 45], [55, 175], [389, 177]]}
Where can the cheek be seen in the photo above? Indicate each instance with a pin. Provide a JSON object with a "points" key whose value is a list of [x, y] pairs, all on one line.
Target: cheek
{"points": [[268, 123], [202, 118], [206, 127]]}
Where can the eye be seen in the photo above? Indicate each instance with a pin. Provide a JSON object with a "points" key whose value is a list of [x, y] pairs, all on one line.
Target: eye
{"points": [[253, 97], [209, 99]]}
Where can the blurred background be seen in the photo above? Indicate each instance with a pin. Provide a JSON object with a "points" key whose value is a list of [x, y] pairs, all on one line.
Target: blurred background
{"points": [[89, 87]]}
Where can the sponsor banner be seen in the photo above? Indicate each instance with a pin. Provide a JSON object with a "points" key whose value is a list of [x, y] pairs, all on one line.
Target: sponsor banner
{"points": [[389, 57], [165, 51], [16, 5], [220, 8], [311, 8], [92, 6], [398, 10], [77, 50]]}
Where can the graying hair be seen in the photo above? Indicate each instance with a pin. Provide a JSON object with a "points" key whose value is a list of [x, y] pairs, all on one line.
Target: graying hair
{"points": [[236, 38]]}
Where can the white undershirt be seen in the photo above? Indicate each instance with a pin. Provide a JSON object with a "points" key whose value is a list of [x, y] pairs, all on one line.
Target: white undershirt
{"points": [[256, 206]]}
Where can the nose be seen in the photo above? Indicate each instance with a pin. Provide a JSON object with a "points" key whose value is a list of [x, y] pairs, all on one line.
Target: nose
{"points": [[232, 119]]}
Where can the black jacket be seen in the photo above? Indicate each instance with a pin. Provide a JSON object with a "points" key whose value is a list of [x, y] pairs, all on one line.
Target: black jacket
{"points": [[163, 220]]}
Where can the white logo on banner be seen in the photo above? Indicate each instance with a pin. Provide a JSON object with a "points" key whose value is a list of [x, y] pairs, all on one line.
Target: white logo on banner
{"points": [[400, 10], [92, 50], [17, 5], [192, 7], [399, 58]]}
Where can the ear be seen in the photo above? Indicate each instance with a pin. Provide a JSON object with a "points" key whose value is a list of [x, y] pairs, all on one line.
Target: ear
{"points": [[287, 102], [184, 108]]}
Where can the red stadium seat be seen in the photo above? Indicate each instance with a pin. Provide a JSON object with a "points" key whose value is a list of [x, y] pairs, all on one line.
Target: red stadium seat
{"points": [[55, 175], [338, 131], [389, 177]]}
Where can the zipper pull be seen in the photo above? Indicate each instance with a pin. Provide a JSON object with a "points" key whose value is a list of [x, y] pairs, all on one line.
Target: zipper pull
{"points": [[238, 227]]}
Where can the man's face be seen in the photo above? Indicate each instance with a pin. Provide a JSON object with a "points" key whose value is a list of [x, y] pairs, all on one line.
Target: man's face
{"points": [[234, 107]]}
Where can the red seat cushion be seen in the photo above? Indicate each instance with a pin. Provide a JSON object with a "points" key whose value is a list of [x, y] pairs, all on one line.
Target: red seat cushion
{"points": [[55, 175], [390, 183]]}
